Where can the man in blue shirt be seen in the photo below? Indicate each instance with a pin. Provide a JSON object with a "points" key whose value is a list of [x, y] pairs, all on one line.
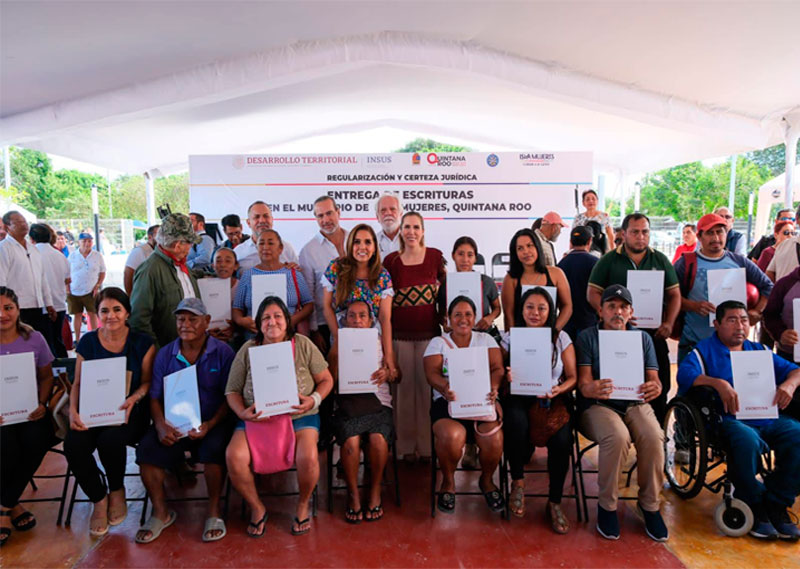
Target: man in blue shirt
{"points": [[164, 446], [577, 265], [199, 256], [710, 364]]}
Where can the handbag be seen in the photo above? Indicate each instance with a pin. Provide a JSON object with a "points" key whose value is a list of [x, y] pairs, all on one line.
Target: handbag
{"points": [[271, 442], [546, 420], [495, 415], [303, 327]]}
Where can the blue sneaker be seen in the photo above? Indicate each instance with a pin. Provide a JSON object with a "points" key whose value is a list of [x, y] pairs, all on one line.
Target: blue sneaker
{"points": [[779, 517], [762, 527], [654, 525], [607, 523]]}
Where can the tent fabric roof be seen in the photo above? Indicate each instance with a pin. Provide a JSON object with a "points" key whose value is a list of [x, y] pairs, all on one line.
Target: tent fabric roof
{"points": [[139, 86]]}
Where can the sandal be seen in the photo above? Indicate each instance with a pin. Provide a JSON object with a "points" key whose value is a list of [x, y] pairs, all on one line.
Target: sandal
{"points": [[214, 524], [297, 526], [517, 501], [155, 526], [555, 515], [96, 530], [5, 533], [117, 515], [374, 514], [494, 500], [352, 516], [24, 521], [446, 502], [255, 525]]}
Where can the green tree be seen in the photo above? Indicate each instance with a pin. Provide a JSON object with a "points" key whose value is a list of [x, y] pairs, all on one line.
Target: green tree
{"points": [[428, 145], [772, 158]]}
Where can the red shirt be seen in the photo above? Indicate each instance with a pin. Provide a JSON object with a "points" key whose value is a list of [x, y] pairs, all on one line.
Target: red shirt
{"points": [[683, 248], [415, 287]]}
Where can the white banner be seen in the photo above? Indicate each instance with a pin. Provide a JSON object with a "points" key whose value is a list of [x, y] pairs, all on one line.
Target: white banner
{"points": [[504, 191]]}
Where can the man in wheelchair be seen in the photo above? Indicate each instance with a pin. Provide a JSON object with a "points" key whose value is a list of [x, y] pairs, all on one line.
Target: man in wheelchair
{"points": [[614, 423], [709, 364]]}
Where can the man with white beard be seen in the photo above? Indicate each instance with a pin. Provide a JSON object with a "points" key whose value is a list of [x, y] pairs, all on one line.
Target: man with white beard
{"points": [[315, 256], [388, 210]]}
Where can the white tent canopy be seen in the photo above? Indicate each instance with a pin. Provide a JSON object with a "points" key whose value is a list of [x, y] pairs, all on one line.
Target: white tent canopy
{"points": [[138, 86]]}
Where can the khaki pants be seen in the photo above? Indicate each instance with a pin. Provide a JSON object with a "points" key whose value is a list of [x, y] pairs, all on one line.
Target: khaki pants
{"points": [[412, 400], [614, 433]]}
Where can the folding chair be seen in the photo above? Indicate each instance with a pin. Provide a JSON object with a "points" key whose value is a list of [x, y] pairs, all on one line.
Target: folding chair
{"points": [[365, 464]]}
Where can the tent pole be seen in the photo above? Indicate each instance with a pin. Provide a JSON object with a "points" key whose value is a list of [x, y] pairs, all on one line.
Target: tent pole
{"points": [[7, 166], [151, 199], [601, 192], [791, 135], [732, 189]]}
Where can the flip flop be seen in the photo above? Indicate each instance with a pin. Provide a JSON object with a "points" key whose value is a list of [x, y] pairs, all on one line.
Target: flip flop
{"points": [[352, 516], [98, 532], [214, 524], [5, 533], [374, 514], [19, 525], [517, 501], [155, 526], [298, 523], [494, 500], [255, 525]]}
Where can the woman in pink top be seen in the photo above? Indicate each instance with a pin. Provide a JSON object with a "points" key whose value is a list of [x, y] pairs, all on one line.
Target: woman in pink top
{"points": [[783, 230]]}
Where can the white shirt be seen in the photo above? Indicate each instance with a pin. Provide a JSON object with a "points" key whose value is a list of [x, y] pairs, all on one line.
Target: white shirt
{"points": [[386, 245], [785, 259], [438, 346], [247, 254], [85, 271], [138, 256], [315, 256], [22, 270], [186, 283], [56, 269]]}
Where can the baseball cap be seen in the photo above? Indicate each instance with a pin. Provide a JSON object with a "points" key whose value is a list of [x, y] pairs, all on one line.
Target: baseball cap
{"points": [[710, 220], [177, 226], [553, 217], [193, 305], [579, 236], [616, 291], [85, 236]]}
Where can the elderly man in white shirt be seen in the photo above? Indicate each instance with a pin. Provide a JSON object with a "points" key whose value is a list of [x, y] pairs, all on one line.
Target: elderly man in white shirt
{"points": [[56, 269], [22, 270], [259, 218], [87, 271], [315, 256], [389, 211], [138, 256]]}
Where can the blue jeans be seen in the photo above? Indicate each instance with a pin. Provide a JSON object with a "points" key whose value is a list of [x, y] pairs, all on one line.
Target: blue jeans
{"points": [[745, 443]]}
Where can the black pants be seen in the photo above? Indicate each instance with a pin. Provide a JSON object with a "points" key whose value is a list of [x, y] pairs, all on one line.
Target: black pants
{"points": [[659, 404], [22, 449], [519, 449], [58, 348], [112, 447], [39, 321]]}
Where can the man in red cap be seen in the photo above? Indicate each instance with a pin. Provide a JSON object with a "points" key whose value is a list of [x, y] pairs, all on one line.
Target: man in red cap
{"points": [[692, 270], [547, 234]]}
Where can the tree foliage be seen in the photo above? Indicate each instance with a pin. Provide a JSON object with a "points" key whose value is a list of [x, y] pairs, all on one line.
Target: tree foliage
{"points": [[428, 145], [773, 158], [68, 193]]}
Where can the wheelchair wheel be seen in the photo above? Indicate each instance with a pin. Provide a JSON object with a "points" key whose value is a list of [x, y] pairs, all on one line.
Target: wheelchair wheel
{"points": [[685, 448], [734, 520]]}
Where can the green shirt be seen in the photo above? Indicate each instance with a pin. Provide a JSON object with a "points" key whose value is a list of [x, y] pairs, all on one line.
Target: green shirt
{"points": [[613, 267]]}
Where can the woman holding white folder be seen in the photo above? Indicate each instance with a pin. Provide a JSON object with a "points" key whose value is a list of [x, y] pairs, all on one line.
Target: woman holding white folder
{"points": [[112, 340], [299, 298], [451, 435], [314, 383], [22, 445], [360, 276], [537, 312], [526, 268]]}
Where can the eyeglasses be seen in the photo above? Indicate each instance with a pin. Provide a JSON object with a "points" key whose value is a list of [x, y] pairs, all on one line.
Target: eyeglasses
{"points": [[786, 218], [788, 232], [728, 216]]}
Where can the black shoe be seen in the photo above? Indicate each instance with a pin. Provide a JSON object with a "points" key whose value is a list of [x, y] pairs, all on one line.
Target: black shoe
{"points": [[607, 523], [654, 525], [779, 518], [762, 527]]}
